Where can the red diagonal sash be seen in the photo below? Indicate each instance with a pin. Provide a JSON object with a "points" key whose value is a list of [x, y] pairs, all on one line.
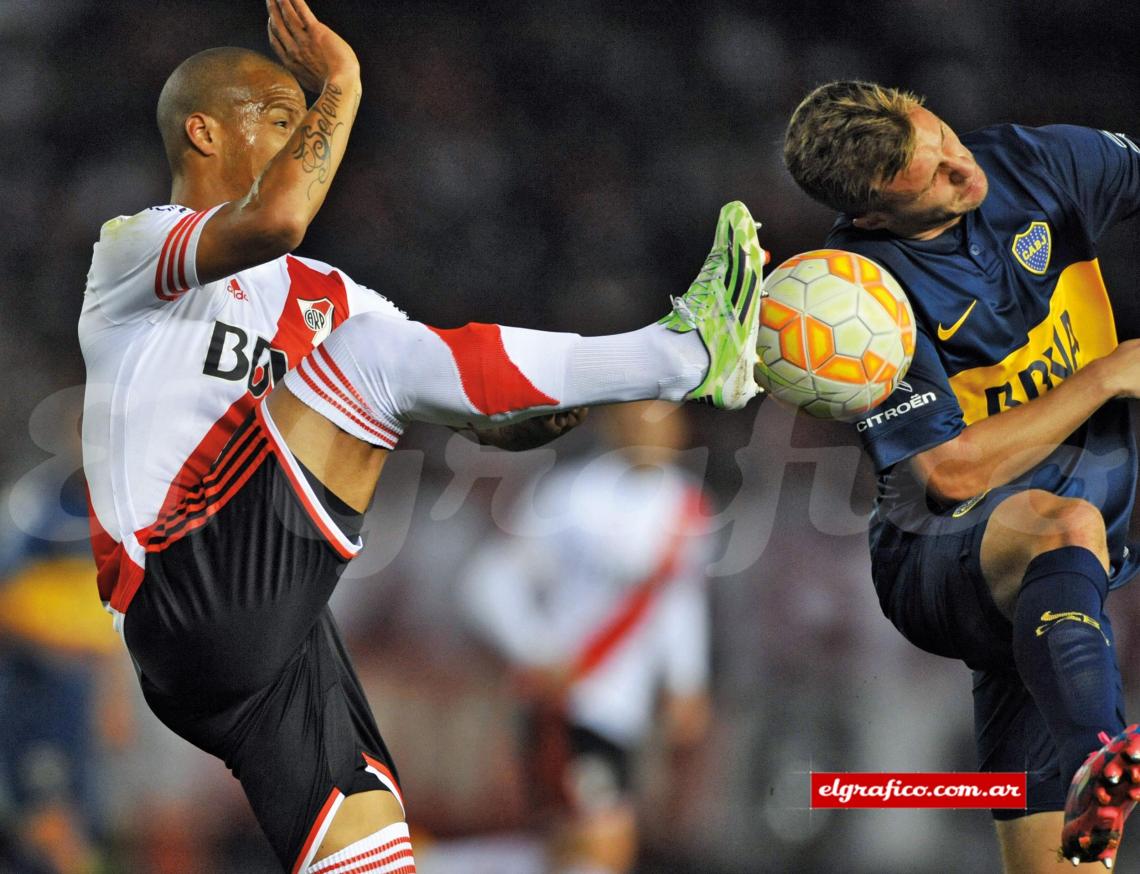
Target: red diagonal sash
{"points": [[634, 607]]}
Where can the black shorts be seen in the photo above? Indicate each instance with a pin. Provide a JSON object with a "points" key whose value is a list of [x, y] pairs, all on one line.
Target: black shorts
{"points": [[572, 767], [599, 769], [931, 587], [236, 649]]}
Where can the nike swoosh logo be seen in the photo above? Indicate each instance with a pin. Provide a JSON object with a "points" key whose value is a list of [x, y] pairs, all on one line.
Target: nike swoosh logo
{"points": [[945, 334], [1050, 619]]}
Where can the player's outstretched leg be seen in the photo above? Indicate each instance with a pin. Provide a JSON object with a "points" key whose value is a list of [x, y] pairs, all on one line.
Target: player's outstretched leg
{"points": [[374, 374], [1104, 791]]}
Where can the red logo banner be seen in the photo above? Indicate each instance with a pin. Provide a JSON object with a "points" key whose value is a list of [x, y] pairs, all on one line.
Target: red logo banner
{"points": [[882, 790]]}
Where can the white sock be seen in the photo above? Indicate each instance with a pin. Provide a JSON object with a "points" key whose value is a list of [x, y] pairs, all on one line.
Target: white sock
{"points": [[653, 363], [388, 851], [374, 374]]}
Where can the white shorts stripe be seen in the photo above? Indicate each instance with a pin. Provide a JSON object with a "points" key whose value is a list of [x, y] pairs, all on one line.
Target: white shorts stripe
{"points": [[332, 529], [389, 783]]}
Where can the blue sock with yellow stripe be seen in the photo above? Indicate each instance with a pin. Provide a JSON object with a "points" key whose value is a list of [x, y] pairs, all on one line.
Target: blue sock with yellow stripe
{"points": [[1063, 650]]}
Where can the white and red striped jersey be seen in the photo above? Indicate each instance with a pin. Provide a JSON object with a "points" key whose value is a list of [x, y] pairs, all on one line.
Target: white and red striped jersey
{"points": [[174, 366], [607, 579]]}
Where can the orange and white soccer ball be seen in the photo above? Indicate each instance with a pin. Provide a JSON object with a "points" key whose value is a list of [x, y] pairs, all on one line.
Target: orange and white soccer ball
{"points": [[836, 334]]}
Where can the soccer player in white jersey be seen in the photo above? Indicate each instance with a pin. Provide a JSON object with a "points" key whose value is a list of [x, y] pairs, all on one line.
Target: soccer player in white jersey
{"points": [[599, 606], [220, 523]]}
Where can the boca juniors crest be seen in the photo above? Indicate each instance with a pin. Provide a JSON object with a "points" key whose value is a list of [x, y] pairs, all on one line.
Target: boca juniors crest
{"points": [[318, 316], [1032, 247]]}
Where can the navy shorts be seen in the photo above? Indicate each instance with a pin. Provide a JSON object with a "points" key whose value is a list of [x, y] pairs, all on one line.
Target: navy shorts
{"points": [[930, 586], [236, 649]]}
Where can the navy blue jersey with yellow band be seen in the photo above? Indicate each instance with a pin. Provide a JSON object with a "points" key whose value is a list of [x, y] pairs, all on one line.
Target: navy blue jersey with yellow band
{"points": [[1009, 303]]}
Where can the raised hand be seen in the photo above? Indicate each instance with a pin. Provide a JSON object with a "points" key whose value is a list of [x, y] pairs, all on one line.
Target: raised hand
{"points": [[310, 50]]}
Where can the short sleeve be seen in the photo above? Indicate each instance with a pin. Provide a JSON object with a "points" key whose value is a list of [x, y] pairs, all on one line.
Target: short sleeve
{"points": [[145, 261], [921, 413], [1099, 169]]}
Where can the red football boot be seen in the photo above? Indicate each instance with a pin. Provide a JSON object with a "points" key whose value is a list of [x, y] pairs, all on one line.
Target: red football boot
{"points": [[1103, 792]]}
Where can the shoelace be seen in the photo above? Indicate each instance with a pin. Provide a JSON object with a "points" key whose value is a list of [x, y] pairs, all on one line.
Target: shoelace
{"points": [[710, 270], [683, 312], [712, 266]]}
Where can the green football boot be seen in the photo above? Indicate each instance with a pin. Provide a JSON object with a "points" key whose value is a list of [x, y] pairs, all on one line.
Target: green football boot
{"points": [[723, 307]]}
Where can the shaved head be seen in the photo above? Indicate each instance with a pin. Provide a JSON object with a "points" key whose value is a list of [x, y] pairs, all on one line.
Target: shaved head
{"points": [[214, 82]]}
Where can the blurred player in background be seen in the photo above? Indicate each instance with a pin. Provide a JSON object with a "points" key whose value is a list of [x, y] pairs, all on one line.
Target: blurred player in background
{"points": [[1005, 500], [63, 685], [221, 524], [599, 607]]}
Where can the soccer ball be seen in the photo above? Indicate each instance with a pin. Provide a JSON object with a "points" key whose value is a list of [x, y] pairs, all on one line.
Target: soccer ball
{"points": [[836, 334]]}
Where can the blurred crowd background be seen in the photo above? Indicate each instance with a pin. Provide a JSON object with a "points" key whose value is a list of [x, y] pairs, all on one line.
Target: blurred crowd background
{"points": [[548, 165]]}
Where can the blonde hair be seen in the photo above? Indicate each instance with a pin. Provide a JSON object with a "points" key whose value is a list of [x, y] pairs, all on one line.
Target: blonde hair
{"points": [[847, 139]]}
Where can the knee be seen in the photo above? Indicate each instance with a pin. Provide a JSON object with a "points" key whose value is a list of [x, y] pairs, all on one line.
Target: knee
{"points": [[376, 332], [1065, 522], [377, 345], [1029, 524]]}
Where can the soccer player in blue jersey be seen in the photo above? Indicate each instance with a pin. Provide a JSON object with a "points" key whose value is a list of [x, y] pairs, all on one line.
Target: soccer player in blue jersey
{"points": [[1004, 500]]}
